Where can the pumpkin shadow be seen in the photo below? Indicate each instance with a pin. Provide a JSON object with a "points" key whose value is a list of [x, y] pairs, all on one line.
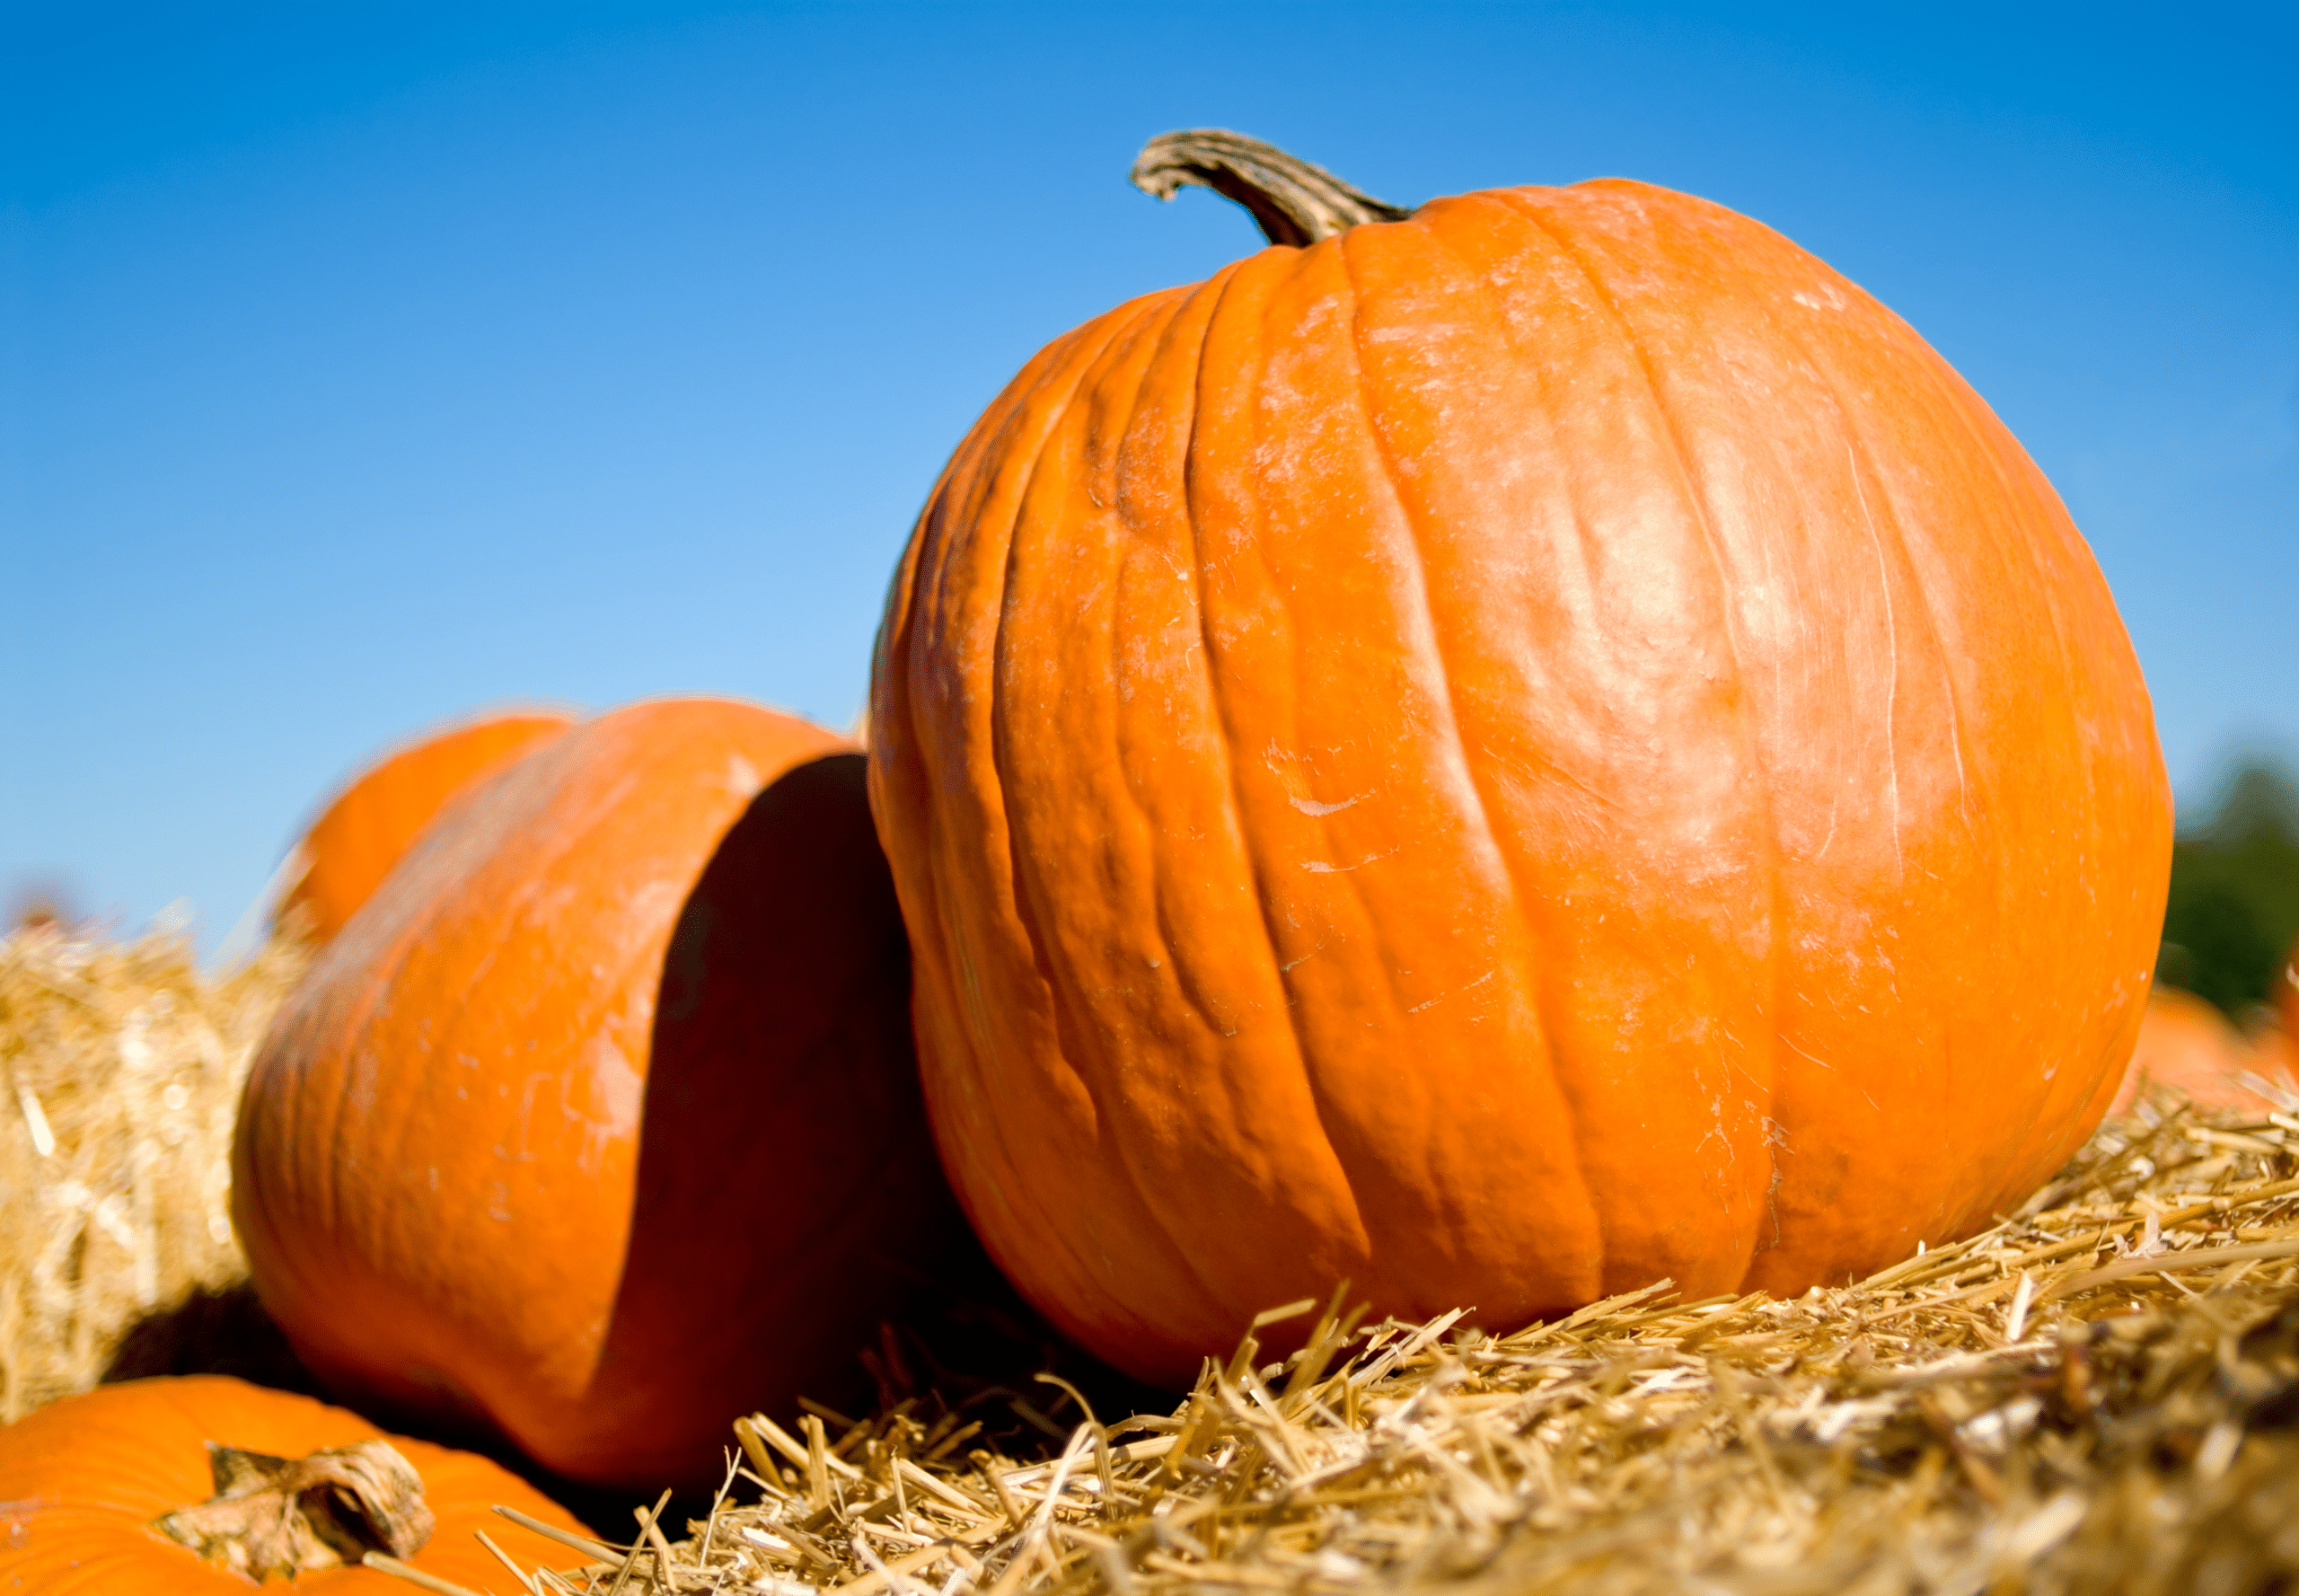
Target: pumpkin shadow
{"points": [[220, 1331], [786, 1170]]}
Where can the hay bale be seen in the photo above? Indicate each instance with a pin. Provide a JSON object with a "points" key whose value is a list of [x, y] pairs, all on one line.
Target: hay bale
{"points": [[121, 1067], [2100, 1394]]}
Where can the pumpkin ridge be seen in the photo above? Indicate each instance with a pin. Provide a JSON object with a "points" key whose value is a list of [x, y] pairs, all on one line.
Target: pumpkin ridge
{"points": [[1571, 1129], [1227, 1306], [1862, 463], [1048, 418], [1751, 744], [2018, 1155], [1219, 286], [1225, 743], [1693, 495], [1517, 203]]}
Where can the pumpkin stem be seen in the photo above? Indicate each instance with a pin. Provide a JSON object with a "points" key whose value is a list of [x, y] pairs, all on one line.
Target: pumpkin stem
{"points": [[1294, 202], [282, 1515]]}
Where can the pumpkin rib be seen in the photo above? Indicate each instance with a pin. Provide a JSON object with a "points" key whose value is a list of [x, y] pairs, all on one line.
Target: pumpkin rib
{"points": [[1224, 745], [1863, 471], [1885, 568], [1218, 287], [1956, 398], [1235, 1314], [1078, 372], [1572, 1131], [2012, 1156], [1162, 343], [1503, 885], [2020, 1154], [1750, 746]]}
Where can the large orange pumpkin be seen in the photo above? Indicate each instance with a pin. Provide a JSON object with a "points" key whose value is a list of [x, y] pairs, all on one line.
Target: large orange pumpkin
{"points": [[599, 1123], [362, 833], [81, 1480], [1501, 757]]}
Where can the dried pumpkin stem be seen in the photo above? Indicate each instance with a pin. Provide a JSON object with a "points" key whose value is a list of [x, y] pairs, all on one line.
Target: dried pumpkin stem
{"points": [[1295, 202], [287, 1515]]}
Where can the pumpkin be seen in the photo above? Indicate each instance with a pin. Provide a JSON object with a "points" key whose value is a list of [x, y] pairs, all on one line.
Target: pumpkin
{"points": [[353, 844], [2286, 993], [84, 1483], [2187, 1044], [599, 1125], [1501, 755]]}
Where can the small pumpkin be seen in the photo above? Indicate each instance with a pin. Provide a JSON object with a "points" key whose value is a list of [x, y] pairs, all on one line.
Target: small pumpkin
{"points": [[2187, 1044], [2286, 993], [1501, 753], [108, 1493], [353, 844]]}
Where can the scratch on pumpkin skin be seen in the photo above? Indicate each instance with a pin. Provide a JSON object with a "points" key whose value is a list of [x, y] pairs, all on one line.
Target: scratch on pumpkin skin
{"points": [[1317, 867], [1456, 992], [1775, 1136], [1892, 644], [1307, 805], [1830, 1068]]}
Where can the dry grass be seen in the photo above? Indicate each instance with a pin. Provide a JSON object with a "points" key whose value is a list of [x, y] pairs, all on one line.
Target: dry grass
{"points": [[121, 1066], [2101, 1394]]}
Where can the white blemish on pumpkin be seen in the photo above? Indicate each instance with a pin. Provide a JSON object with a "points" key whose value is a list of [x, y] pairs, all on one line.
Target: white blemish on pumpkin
{"points": [[1892, 682], [741, 777], [1294, 794], [1317, 867], [601, 1100], [1456, 992]]}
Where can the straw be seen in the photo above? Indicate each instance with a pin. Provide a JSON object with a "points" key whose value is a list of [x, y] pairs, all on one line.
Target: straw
{"points": [[121, 1068], [2059, 1403]]}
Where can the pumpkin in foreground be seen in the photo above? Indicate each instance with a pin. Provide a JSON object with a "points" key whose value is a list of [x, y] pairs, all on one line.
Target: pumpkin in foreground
{"points": [[599, 1124], [84, 1483], [1502, 755], [360, 835]]}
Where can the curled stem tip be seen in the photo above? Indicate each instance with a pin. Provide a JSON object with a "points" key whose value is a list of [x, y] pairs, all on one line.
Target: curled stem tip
{"points": [[1294, 202], [281, 1515]]}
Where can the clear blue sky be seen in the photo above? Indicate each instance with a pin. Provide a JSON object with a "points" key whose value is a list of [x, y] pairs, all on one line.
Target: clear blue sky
{"points": [[363, 365]]}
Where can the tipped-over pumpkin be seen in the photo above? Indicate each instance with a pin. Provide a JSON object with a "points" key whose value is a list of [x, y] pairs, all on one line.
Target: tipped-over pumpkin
{"points": [[600, 1123]]}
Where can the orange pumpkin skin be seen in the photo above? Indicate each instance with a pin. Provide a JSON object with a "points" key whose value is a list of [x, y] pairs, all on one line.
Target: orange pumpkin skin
{"points": [[596, 1124], [80, 1479], [2185, 1043], [355, 843], [1501, 757], [2286, 993]]}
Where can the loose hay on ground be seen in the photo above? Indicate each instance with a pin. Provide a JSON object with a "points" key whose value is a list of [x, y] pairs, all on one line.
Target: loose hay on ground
{"points": [[2100, 1394], [121, 1066]]}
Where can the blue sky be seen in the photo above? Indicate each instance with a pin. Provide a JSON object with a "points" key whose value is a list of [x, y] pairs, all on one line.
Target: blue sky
{"points": [[362, 365]]}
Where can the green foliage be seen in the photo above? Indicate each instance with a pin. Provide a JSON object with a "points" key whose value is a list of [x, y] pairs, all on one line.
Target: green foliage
{"points": [[2234, 906]]}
